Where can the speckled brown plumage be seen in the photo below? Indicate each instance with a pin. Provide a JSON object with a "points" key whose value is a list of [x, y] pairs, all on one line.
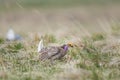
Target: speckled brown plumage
{"points": [[53, 53]]}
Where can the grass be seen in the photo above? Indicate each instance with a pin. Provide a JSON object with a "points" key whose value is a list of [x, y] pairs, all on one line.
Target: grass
{"points": [[116, 29], [98, 59], [1, 40], [98, 36]]}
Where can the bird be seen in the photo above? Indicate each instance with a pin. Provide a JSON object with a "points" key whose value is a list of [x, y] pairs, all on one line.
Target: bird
{"points": [[52, 52], [12, 36]]}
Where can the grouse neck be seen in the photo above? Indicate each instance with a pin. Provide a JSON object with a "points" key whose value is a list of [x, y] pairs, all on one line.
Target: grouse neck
{"points": [[65, 47]]}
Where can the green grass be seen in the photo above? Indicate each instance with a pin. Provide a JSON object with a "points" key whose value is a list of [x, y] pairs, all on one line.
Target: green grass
{"points": [[19, 60], [98, 36], [115, 30], [1, 40]]}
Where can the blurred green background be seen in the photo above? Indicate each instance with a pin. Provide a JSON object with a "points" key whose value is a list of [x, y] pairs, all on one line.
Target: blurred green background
{"points": [[10, 4]]}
